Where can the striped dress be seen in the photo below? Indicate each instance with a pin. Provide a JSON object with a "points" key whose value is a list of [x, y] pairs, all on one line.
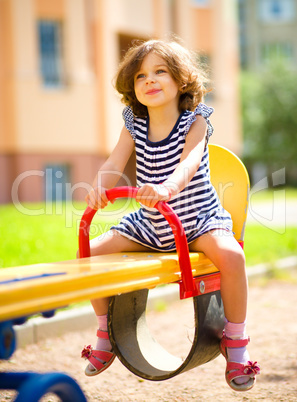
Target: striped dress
{"points": [[197, 206]]}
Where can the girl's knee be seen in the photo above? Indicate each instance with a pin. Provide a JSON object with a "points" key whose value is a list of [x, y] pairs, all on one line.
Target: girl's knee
{"points": [[232, 261]]}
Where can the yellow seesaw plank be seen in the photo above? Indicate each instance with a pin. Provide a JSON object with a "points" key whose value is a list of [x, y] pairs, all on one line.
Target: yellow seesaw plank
{"points": [[88, 278]]}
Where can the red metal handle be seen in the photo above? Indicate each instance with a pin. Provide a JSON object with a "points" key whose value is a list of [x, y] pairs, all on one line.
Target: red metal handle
{"points": [[187, 284]]}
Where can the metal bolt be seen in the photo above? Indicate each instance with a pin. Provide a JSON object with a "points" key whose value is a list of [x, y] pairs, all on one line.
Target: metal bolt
{"points": [[202, 287]]}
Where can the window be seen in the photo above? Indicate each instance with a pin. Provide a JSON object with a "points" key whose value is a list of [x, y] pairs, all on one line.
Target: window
{"points": [[57, 179], [276, 10], [50, 52], [281, 51]]}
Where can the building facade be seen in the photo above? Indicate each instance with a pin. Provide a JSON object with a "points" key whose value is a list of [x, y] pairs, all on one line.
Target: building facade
{"points": [[268, 29], [59, 114]]}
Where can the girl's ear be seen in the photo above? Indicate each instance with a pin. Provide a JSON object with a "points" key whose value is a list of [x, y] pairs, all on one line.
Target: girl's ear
{"points": [[182, 88]]}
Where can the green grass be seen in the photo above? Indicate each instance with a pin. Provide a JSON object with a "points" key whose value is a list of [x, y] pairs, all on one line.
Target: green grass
{"points": [[267, 195], [38, 234], [263, 245]]}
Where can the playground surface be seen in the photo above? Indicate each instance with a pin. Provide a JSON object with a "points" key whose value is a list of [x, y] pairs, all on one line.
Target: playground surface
{"points": [[272, 327]]}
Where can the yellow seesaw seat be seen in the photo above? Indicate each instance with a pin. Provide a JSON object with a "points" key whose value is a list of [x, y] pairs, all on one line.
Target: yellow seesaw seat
{"points": [[77, 280], [231, 181]]}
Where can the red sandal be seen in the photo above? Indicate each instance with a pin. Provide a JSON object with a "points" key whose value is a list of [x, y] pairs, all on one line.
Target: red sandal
{"points": [[93, 356], [235, 370]]}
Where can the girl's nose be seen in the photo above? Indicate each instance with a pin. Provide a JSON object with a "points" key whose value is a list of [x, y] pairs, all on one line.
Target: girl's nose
{"points": [[150, 79]]}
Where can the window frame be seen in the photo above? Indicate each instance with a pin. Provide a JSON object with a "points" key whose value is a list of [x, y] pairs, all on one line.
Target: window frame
{"points": [[51, 57], [287, 12]]}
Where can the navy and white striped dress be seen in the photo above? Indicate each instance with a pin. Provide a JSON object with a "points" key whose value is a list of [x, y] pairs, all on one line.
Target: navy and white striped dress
{"points": [[197, 206]]}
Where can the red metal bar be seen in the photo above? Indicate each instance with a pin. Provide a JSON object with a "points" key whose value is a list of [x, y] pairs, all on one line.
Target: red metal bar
{"points": [[241, 243], [84, 229], [187, 284], [208, 283]]}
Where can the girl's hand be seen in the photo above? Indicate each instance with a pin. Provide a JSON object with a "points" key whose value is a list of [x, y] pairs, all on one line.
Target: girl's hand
{"points": [[97, 199], [150, 194]]}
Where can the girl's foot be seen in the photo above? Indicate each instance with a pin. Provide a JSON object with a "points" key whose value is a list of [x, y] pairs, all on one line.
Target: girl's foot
{"points": [[240, 376], [101, 357]]}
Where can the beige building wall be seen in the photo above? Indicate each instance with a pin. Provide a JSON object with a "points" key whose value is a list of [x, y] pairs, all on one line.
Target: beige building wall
{"points": [[51, 120], [7, 83], [225, 65], [78, 124]]}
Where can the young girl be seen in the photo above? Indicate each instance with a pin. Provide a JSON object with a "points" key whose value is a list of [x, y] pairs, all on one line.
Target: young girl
{"points": [[169, 129]]}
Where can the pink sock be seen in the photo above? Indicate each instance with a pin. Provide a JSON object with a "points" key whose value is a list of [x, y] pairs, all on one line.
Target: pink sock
{"points": [[102, 322], [238, 355], [103, 344]]}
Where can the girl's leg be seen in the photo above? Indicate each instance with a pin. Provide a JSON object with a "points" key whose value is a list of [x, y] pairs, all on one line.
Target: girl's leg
{"points": [[223, 250], [107, 243], [226, 254]]}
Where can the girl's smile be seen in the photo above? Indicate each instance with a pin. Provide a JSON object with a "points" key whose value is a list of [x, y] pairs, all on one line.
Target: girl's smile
{"points": [[153, 91]]}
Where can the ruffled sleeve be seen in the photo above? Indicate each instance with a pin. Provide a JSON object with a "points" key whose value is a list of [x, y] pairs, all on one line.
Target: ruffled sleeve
{"points": [[128, 117], [204, 111]]}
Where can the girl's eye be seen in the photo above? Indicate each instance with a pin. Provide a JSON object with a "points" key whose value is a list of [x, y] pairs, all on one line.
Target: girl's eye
{"points": [[160, 71], [139, 75]]}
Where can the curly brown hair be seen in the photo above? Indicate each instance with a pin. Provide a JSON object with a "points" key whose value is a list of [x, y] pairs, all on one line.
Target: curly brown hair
{"points": [[182, 64]]}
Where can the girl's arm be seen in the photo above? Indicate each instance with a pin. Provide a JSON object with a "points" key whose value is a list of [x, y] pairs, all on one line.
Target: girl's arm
{"points": [[190, 160], [111, 171]]}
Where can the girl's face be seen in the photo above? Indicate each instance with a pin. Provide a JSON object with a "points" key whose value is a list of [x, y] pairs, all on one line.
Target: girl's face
{"points": [[153, 84]]}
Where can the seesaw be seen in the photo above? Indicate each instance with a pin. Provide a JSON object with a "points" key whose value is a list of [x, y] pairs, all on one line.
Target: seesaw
{"points": [[127, 278], [128, 331]]}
